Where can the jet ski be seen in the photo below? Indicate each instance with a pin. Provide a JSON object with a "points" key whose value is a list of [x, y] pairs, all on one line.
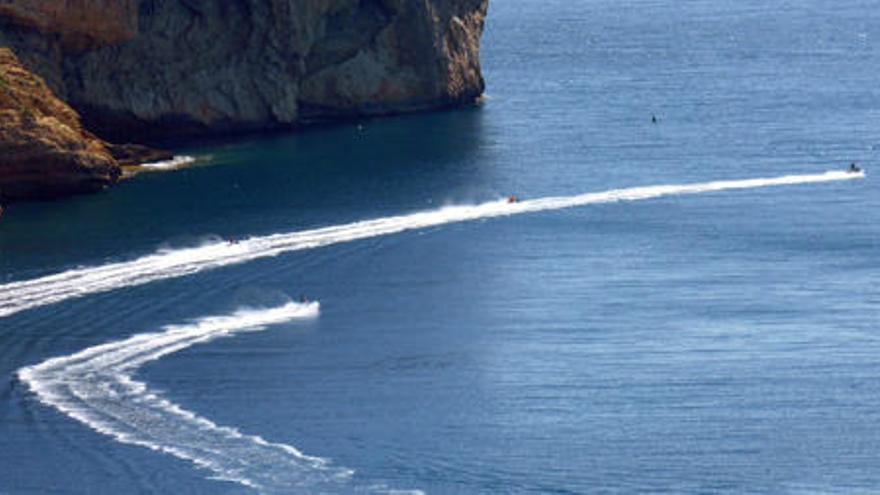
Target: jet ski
{"points": [[512, 199], [853, 168]]}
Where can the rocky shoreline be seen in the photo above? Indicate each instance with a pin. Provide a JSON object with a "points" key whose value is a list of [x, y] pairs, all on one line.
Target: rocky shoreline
{"points": [[76, 75], [45, 152]]}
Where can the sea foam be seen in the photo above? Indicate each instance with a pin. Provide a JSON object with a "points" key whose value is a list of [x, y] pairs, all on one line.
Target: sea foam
{"points": [[176, 162], [78, 282], [96, 387]]}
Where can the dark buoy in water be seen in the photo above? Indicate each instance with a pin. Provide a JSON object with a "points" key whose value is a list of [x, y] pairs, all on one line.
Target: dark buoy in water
{"points": [[653, 119]]}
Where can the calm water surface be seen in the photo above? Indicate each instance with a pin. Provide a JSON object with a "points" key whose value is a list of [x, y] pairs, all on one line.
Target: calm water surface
{"points": [[725, 342]]}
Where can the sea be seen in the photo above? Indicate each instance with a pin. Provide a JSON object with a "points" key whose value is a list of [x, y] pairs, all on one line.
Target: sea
{"points": [[683, 298]]}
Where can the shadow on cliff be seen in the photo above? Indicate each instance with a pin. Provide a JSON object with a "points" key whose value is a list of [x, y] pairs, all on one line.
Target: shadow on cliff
{"points": [[263, 184]]}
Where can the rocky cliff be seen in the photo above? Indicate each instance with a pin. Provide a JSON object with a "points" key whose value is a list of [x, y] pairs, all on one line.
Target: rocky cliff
{"points": [[142, 69], [79, 23], [160, 67], [44, 151]]}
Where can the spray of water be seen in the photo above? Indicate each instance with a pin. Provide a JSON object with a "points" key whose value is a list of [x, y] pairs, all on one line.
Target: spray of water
{"points": [[27, 294], [96, 387]]}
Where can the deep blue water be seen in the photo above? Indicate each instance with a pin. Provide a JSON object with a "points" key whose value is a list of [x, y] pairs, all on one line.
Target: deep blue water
{"points": [[722, 342]]}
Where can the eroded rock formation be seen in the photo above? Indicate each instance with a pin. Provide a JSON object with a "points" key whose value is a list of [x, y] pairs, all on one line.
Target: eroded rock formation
{"points": [[206, 66], [141, 69], [44, 151], [79, 23]]}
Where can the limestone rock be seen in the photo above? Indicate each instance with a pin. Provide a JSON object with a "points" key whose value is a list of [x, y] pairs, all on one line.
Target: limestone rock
{"points": [[137, 69], [131, 155], [80, 23], [44, 151], [172, 67]]}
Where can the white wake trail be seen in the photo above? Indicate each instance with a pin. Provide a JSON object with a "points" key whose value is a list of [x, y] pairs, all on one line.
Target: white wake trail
{"points": [[27, 294], [96, 387], [174, 163]]}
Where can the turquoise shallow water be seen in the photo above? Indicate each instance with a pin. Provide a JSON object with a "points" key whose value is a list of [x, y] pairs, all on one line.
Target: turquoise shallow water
{"points": [[722, 342]]}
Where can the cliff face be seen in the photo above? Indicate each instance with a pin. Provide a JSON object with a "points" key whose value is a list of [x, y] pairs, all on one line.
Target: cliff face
{"points": [[44, 151], [206, 66], [79, 23], [138, 69]]}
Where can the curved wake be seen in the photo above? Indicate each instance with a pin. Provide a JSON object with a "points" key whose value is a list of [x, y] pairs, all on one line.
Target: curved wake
{"points": [[95, 386], [27, 294]]}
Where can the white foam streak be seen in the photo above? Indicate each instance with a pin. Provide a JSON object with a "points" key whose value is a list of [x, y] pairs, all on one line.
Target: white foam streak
{"points": [[23, 295], [176, 162], [95, 386]]}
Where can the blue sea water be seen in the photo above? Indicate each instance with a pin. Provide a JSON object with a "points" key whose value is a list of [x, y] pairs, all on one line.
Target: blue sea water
{"points": [[724, 342]]}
